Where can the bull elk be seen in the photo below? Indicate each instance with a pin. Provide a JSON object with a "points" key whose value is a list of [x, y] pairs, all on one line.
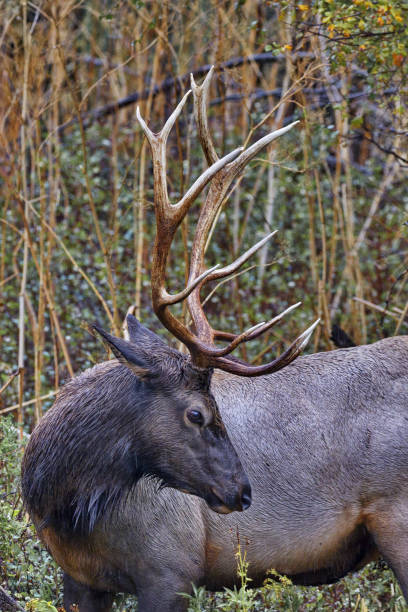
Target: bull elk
{"points": [[131, 478]]}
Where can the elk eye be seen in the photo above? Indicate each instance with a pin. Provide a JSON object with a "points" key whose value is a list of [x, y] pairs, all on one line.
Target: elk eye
{"points": [[195, 416]]}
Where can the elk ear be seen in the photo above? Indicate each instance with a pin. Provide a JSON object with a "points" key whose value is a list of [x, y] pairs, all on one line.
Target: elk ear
{"points": [[140, 335], [127, 354]]}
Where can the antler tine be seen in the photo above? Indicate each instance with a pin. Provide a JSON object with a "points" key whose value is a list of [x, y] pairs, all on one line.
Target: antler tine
{"points": [[244, 369], [165, 131], [147, 131], [179, 297], [237, 263], [158, 147], [196, 188], [243, 160], [238, 340], [250, 334], [222, 335], [269, 324], [174, 115], [200, 94]]}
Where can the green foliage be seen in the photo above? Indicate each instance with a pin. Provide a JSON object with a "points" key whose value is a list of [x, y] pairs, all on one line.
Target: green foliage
{"points": [[375, 33], [26, 569], [35, 605], [374, 589], [242, 598], [197, 600], [281, 590], [371, 33]]}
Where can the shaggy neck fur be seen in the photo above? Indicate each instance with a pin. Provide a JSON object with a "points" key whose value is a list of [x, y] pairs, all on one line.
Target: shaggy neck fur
{"points": [[84, 458]]}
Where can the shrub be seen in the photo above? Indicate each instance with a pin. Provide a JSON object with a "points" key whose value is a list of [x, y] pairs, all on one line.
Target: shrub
{"points": [[26, 569]]}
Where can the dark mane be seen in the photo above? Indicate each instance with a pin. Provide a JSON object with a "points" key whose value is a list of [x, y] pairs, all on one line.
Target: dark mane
{"points": [[75, 470], [79, 477]]}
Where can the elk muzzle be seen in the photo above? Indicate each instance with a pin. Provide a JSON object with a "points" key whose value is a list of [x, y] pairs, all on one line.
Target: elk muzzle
{"points": [[224, 503]]}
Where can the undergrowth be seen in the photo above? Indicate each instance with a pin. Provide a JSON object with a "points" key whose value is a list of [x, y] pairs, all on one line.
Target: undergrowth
{"points": [[27, 571], [374, 589]]}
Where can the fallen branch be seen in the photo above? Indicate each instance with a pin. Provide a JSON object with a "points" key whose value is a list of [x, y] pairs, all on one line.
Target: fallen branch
{"points": [[8, 603], [174, 82]]}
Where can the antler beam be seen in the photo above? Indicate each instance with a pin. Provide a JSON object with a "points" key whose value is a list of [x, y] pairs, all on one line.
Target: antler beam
{"points": [[219, 176]]}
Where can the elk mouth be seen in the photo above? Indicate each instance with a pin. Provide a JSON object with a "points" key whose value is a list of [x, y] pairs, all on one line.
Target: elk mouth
{"points": [[236, 501], [229, 503], [212, 499]]}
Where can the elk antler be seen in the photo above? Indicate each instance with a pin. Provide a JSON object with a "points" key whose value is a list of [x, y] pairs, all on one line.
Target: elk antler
{"points": [[220, 174]]}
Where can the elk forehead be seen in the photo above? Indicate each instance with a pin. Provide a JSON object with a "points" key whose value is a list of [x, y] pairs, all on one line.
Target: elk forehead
{"points": [[197, 379], [197, 383]]}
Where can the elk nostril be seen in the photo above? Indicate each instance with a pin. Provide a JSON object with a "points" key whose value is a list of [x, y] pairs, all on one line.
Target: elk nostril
{"points": [[246, 498]]}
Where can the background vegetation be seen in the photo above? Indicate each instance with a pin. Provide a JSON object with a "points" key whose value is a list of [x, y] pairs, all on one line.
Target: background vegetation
{"points": [[76, 217]]}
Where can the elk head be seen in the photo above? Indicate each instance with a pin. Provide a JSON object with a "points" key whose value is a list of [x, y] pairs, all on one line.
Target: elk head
{"points": [[213, 470], [178, 433]]}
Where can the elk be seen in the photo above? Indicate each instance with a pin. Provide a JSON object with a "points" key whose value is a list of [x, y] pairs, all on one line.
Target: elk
{"points": [[132, 480]]}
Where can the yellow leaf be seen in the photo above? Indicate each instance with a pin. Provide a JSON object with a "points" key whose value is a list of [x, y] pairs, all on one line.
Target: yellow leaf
{"points": [[303, 7]]}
